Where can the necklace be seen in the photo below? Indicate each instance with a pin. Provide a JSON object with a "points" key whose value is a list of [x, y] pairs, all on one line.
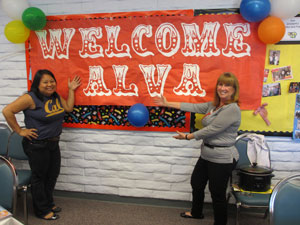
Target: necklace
{"points": [[215, 109]]}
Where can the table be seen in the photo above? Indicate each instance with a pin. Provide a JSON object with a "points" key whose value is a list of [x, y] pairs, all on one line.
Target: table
{"points": [[6, 218], [10, 221]]}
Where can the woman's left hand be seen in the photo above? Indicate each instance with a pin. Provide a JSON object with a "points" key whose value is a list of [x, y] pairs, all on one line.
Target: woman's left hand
{"points": [[75, 83], [179, 135]]}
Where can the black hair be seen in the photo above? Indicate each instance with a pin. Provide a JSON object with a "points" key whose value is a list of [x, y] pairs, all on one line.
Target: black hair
{"points": [[36, 82]]}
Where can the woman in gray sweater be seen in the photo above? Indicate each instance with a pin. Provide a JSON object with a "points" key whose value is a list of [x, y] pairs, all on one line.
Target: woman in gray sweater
{"points": [[221, 121]]}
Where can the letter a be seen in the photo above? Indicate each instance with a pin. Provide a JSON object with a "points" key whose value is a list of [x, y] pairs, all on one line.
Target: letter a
{"points": [[96, 85], [190, 84]]}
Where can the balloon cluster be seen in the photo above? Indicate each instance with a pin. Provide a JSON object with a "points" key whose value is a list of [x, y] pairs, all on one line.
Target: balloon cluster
{"points": [[138, 115], [25, 18], [270, 15]]}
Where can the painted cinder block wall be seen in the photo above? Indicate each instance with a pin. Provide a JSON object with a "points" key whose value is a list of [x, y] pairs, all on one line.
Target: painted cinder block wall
{"points": [[124, 163]]}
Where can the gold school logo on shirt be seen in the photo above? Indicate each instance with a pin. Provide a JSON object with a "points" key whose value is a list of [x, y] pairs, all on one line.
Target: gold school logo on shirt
{"points": [[53, 109]]}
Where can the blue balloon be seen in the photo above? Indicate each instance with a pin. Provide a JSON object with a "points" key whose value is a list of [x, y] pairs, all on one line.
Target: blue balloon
{"points": [[138, 115], [255, 10]]}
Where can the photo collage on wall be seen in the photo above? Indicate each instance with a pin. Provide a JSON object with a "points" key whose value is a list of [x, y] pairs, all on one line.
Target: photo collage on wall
{"points": [[278, 74]]}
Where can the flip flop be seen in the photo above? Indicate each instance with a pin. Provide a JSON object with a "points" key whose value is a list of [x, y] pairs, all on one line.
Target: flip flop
{"points": [[184, 215], [56, 209], [53, 217]]}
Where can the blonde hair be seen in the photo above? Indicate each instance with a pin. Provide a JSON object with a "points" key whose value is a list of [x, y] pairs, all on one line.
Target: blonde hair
{"points": [[230, 79]]}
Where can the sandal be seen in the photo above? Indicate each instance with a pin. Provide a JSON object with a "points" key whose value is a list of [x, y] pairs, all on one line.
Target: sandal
{"points": [[184, 215], [56, 209], [50, 216]]}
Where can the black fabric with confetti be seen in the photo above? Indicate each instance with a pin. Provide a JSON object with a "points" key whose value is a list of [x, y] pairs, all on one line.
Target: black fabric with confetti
{"points": [[117, 116]]}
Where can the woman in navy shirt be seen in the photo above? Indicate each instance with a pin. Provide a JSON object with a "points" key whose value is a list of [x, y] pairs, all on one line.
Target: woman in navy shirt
{"points": [[44, 111]]}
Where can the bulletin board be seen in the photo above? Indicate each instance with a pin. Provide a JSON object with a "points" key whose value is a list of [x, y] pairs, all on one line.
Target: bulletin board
{"points": [[107, 111], [117, 56], [280, 106]]}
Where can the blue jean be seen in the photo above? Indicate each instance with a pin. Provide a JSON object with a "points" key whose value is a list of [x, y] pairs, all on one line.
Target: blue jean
{"points": [[44, 161], [217, 174]]}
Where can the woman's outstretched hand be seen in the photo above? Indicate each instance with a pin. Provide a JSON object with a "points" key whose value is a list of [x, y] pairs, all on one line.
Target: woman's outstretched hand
{"points": [[161, 101], [75, 83], [180, 135]]}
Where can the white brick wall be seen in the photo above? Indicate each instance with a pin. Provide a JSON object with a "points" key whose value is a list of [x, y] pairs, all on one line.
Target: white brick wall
{"points": [[285, 157], [125, 163]]}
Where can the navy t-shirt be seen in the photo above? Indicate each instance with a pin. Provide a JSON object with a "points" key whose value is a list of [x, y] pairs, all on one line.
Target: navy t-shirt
{"points": [[47, 117]]}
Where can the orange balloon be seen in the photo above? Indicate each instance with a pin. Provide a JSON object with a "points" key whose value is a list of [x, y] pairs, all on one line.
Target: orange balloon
{"points": [[271, 30]]}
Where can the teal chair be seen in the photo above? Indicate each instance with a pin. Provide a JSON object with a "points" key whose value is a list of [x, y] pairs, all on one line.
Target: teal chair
{"points": [[4, 135], [284, 207], [15, 152], [8, 181], [246, 199]]}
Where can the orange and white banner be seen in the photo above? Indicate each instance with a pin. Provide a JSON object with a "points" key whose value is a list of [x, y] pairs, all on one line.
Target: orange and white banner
{"points": [[129, 58]]}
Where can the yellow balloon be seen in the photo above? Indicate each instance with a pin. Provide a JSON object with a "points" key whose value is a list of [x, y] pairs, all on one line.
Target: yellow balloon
{"points": [[16, 32]]}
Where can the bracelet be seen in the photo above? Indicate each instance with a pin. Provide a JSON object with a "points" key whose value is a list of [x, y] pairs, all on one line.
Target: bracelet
{"points": [[186, 137]]}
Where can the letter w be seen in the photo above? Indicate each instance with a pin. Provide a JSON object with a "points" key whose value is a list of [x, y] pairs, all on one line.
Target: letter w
{"points": [[55, 46]]}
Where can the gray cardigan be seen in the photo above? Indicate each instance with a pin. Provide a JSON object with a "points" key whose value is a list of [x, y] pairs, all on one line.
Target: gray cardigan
{"points": [[219, 128]]}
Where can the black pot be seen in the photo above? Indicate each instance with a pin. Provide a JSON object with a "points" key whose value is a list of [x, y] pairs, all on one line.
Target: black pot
{"points": [[255, 178]]}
